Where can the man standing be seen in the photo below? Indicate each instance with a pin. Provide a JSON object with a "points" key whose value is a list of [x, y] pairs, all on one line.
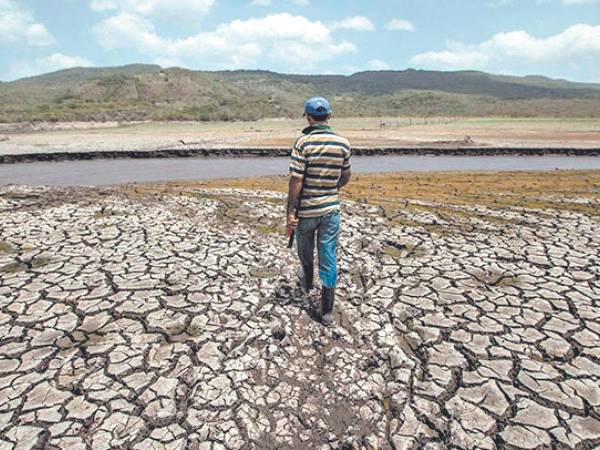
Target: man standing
{"points": [[319, 167]]}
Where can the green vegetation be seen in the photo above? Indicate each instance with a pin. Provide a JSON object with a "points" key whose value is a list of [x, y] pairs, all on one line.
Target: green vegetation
{"points": [[267, 229], [141, 92], [35, 263], [260, 272], [560, 190], [396, 250], [13, 268], [40, 261], [495, 278], [6, 248], [105, 213]]}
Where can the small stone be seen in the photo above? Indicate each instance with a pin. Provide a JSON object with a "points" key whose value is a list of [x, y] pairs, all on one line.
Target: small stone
{"points": [[278, 332]]}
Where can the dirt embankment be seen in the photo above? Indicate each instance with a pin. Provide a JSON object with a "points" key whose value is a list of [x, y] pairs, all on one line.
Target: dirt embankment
{"points": [[285, 152], [275, 137]]}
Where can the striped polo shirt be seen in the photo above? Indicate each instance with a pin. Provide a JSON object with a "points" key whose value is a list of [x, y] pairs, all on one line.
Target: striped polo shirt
{"points": [[319, 158]]}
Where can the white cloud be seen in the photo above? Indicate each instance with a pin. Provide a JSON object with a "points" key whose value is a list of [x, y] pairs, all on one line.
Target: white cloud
{"points": [[400, 24], [500, 3], [377, 64], [303, 3], [18, 24], [577, 41], [358, 23], [294, 40], [51, 63], [172, 9]]}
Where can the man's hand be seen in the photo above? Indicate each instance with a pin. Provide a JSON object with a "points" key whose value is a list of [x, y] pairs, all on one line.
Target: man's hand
{"points": [[291, 224]]}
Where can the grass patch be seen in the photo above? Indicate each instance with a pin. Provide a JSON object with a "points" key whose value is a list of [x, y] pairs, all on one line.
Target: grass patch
{"points": [[106, 213], [449, 214], [394, 252], [528, 203], [398, 250], [20, 196], [406, 222], [13, 268], [6, 248], [498, 220], [488, 189], [263, 272], [429, 227], [267, 229], [271, 200], [493, 189], [40, 262], [393, 191], [495, 278], [231, 210]]}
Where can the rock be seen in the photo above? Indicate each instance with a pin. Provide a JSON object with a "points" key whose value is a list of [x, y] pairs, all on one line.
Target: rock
{"points": [[585, 428], [80, 409], [210, 355], [488, 396], [278, 332], [531, 413], [556, 347], [44, 395], [25, 437], [471, 417], [525, 437]]}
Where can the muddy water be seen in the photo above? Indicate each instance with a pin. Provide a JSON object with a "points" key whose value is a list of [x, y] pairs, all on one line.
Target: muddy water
{"points": [[105, 172]]}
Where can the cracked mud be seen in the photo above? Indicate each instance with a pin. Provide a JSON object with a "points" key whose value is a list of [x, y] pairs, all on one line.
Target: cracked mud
{"points": [[172, 321]]}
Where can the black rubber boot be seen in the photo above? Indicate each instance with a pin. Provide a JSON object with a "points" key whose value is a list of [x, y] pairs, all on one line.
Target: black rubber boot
{"points": [[327, 299], [307, 278]]}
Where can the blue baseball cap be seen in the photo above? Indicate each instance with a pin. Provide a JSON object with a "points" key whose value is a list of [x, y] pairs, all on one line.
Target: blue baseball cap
{"points": [[317, 106]]}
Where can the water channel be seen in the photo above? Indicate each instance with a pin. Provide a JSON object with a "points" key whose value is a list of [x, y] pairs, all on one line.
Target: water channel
{"points": [[117, 171]]}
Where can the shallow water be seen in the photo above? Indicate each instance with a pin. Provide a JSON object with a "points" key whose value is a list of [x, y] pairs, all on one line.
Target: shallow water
{"points": [[116, 171]]}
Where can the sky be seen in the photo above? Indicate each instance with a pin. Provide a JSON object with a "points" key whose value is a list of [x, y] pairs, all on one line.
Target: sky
{"points": [[555, 38]]}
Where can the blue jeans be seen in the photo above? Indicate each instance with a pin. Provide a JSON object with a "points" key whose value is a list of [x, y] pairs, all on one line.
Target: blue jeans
{"points": [[327, 228]]}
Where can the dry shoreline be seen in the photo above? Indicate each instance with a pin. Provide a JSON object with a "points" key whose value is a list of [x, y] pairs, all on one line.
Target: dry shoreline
{"points": [[369, 136]]}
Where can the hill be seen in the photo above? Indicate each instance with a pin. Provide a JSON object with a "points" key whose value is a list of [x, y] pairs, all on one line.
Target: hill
{"points": [[143, 92]]}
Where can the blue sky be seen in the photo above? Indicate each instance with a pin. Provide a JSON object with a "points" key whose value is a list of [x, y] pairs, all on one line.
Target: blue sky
{"points": [[556, 38]]}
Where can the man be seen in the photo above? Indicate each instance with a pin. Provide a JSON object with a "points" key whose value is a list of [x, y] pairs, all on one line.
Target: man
{"points": [[319, 167]]}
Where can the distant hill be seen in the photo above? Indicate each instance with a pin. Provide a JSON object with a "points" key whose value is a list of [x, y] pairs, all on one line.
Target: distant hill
{"points": [[142, 92]]}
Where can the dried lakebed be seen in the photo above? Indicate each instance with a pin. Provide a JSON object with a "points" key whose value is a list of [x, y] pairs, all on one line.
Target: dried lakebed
{"points": [[173, 321]]}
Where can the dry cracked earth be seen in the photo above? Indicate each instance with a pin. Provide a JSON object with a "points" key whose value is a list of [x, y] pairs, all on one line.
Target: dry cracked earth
{"points": [[174, 321]]}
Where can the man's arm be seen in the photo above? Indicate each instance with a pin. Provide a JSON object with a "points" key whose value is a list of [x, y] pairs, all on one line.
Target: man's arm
{"points": [[295, 186], [297, 171], [344, 179], [346, 168]]}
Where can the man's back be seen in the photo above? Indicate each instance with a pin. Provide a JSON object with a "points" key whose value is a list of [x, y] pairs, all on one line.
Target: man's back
{"points": [[319, 167], [326, 156]]}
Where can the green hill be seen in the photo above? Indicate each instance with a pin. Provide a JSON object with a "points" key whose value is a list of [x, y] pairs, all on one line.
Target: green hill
{"points": [[143, 92]]}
